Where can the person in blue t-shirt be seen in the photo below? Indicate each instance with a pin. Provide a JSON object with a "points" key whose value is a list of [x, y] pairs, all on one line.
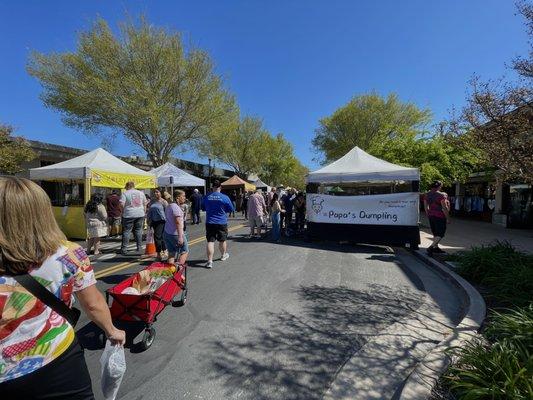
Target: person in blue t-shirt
{"points": [[216, 206]]}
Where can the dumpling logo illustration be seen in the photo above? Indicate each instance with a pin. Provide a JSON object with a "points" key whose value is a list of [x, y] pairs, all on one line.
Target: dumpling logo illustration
{"points": [[316, 204]]}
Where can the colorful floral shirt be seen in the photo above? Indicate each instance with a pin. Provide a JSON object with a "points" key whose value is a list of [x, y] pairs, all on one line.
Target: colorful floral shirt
{"points": [[31, 333]]}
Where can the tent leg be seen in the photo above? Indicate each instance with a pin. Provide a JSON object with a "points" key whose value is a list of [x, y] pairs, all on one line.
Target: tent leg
{"points": [[87, 191]]}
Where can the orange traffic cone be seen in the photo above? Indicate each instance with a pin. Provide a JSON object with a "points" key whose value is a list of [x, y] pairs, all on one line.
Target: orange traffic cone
{"points": [[150, 245]]}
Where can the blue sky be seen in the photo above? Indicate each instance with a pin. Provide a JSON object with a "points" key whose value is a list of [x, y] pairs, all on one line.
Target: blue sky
{"points": [[289, 62]]}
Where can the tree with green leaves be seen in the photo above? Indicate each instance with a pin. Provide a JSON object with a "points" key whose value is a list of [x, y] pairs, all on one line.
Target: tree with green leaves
{"points": [[241, 148], [280, 165], [370, 122], [13, 151], [498, 116], [143, 84]]}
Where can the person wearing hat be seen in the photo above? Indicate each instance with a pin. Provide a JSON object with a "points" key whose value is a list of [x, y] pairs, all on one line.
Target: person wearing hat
{"points": [[437, 209]]}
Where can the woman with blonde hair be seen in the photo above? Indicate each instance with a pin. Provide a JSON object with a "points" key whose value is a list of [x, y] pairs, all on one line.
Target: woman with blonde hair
{"points": [[40, 271]]}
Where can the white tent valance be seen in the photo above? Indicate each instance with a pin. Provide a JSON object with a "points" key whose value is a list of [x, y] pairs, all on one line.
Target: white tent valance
{"points": [[357, 165], [170, 175]]}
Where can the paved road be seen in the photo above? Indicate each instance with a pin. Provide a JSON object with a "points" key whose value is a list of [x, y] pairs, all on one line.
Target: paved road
{"points": [[287, 321]]}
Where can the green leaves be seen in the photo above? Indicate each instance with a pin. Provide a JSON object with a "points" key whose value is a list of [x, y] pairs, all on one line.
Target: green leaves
{"points": [[142, 84], [13, 151]]}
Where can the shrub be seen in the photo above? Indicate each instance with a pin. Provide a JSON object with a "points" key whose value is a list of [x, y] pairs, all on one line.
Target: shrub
{"points": [[513, 325], [503, 370], [505, 271]]}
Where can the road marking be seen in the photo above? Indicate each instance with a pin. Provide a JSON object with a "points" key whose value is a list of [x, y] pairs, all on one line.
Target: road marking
{"points": [[127, 264]]}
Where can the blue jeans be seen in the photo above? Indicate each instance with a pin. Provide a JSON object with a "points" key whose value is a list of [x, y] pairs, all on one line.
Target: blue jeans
{"points": [[137, 224], [195, 215], [276, 227]]}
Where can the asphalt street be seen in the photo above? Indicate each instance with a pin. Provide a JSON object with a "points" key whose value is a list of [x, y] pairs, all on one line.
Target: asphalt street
{"points": [[293, 320]]}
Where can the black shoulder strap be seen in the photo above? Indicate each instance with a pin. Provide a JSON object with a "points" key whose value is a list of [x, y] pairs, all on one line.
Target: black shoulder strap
{"points": [[34, 287]]}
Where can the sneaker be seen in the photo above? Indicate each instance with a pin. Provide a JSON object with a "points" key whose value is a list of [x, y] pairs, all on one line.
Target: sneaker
{"points": [[224, 257], [209, 264]]}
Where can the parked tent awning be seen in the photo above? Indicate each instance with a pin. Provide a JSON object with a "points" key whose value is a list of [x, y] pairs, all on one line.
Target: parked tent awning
{"points": [[357, 165], [170, 175], [235, 181]]}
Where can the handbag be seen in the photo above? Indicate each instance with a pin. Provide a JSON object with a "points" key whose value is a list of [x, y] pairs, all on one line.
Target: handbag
{"points": [[33, 286]]}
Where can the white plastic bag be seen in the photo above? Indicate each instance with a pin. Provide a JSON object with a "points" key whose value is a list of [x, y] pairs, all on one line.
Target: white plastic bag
{"points": [[113, 364]]}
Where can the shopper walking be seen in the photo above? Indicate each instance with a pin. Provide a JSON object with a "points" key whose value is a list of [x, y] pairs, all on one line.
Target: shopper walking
{"points": [[437, 209], [156, 220], [40, 356], [277, 210], [133, 203], [175, 230], [216, 206], [113, 213], [256, 212], [286, 201], [96, 222], [245, 199], [196, 206]]}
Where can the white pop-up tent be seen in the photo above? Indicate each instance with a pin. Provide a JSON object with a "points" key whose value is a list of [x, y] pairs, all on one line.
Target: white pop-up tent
{"points": [[357, 165], [100, 167], [170, 175]]}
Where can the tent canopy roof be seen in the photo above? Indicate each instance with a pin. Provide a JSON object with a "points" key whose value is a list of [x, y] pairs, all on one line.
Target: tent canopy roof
{"points": [[260, 184], [236, 181], [180, 177], [358, 165], [103, 168]]}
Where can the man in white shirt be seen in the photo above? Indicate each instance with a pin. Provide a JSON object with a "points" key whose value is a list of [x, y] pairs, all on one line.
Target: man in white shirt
{"points": [[133, 203]]}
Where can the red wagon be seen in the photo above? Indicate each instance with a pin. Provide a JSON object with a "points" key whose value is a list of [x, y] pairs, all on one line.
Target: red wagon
{"points": [[146, 307]]}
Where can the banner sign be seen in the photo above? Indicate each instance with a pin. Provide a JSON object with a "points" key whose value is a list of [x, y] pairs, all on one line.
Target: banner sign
{"points": [[118, 180], [381, 209]]}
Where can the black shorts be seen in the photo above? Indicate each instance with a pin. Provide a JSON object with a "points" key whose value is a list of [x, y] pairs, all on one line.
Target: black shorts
{"points": [[438, 226], [216, 232]]}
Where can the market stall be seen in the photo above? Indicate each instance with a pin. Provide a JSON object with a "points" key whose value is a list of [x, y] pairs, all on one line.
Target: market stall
{"points": [[361, 198], [81, 175], [237, 184], [259, 184], [169, 175]]}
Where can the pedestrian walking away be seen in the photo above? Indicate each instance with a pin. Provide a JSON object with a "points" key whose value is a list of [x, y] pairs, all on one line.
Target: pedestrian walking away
{"points": [[233, 198], [217, 206], [245, 199], [196, 206], [257, 211], [96, 222], [437, 209], [40, 357], [113, 213], [133, 203], [155, 216], [175, 227]]}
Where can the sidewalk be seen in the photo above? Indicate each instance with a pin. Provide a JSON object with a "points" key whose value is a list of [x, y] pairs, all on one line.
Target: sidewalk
{"points": [[463, 234]]}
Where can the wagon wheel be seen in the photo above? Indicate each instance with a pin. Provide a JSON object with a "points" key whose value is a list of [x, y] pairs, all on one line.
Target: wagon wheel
{"points": [[148, 338], [182, 300]]}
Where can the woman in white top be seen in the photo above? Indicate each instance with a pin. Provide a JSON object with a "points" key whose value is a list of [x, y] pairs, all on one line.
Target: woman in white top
{"points": [[96, 222]]}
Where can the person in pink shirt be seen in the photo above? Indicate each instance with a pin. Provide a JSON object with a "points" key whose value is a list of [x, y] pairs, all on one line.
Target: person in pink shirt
{"points": [[257, 210]]}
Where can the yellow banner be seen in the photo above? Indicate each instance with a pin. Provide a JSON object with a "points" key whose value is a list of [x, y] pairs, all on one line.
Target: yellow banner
{"points": [[117, 180]]}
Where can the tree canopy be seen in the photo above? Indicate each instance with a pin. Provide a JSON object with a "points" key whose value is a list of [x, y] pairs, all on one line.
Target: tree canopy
{"points": [[13, 151], [369, 121], [142, 84]]}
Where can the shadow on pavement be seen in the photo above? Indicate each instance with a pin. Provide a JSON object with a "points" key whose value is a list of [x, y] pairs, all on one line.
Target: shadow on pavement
{"points": [[299, 355]]}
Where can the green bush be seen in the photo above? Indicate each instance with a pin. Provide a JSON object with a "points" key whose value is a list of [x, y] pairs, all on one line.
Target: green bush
{"points": [[501, 371], [505, 271], [513, 325]]}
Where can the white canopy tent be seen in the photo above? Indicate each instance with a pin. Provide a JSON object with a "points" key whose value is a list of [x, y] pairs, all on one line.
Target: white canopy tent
{"points": [[170, 175], [357, 165], [259, 184], [101, 167]]}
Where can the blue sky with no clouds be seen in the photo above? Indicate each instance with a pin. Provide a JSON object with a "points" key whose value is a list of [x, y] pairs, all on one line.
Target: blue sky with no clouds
{"points": [[289, 62]]}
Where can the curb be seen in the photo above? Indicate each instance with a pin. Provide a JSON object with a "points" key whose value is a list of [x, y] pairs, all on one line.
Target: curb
{"points": [[420, 382]]}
